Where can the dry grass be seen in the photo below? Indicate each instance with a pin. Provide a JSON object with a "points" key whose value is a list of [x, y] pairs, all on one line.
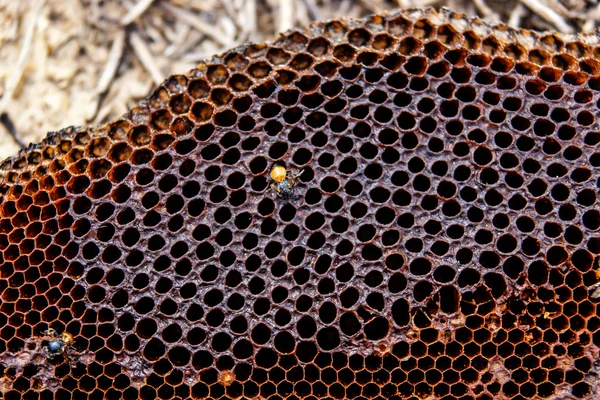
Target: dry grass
{"points": [[84, 62]]}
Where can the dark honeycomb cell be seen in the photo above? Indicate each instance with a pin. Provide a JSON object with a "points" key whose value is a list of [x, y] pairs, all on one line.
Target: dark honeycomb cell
{"points": [[439, 240]]}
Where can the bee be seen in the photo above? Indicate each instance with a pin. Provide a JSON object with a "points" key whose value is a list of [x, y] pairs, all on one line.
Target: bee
{"points": [[596, 290], [226, 378], [57, 344], [67, 338], [283, 181]]}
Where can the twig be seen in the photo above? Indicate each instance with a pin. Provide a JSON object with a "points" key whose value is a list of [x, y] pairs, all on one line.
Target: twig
{"points": [[134, 12], [286, 15], [228, 27], [560, 9], [516, 16], [548, 14], [10, 128], [102, 113], [485, 10], [155, 37], [372, 5], [196, 22], [143, 54], [250, 17], [14, 28], [588, 26], [112, 63], [592, 19], [110, 69], [229, 8], [344, 7], [187, 46], [21, 60], [177, 40], [20, 66], [313, 11]]}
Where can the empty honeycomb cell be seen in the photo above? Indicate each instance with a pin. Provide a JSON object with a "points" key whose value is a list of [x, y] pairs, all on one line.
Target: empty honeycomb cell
{"points": [[439, 240]]}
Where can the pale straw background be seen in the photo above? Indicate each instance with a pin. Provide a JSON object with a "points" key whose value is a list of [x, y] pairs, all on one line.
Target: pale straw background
{"points": [[85, 62]]}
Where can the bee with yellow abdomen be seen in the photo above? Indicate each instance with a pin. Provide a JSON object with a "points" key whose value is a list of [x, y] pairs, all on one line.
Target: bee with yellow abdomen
{"points": [[57, 344], [283, 181]]}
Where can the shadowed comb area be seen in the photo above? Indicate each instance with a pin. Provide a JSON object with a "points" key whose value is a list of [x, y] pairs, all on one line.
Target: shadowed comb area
{"points": [[440, 241]]}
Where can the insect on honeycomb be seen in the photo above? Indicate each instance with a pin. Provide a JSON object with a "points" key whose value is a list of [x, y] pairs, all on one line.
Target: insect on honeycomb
{"points": [[440, 240]]}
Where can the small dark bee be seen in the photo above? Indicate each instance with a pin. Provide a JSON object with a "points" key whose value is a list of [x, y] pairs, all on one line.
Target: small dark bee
{"points": [[57, 344], [283, 182]]}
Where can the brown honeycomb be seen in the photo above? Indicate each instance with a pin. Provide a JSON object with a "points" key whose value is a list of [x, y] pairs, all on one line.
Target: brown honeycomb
{"points": [[442, 241]]}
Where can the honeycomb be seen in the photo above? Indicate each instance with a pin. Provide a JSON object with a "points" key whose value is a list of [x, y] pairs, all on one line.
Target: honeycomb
{"points": [[440, 239]]}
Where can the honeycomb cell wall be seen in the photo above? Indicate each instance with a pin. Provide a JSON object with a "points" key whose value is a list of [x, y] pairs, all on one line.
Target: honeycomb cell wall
{"points": [[441, 240]]}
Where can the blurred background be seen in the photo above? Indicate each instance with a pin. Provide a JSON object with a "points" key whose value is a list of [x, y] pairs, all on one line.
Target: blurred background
{"points": [[85, 62]]}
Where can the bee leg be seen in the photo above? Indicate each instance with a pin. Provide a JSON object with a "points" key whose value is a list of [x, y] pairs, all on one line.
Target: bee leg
{"points": [[51, 333], [70, 360], [292, 178]]}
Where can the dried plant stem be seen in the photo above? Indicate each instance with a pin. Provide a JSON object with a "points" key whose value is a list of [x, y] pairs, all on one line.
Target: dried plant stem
{"points": [[516, 16], [110, 70], [485, 10], [286, 15], [112, 63], [196, 22], [145, 56], [12, 131], [20, 66], [548, 14], [313, 11], [135, 11]]}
